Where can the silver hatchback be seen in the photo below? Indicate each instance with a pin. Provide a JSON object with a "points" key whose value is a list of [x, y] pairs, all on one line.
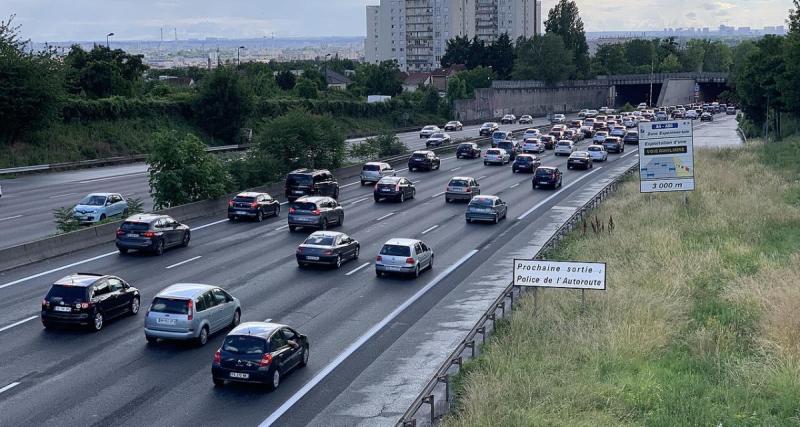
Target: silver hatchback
{"points": [[404, 256], [189, 311]]}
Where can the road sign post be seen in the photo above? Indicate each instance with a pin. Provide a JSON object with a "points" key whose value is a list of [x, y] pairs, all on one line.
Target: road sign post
{"points": [[666, 156]]}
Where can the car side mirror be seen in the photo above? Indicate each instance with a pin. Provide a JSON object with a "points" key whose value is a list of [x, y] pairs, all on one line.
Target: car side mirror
{"points": [[108, 202]]}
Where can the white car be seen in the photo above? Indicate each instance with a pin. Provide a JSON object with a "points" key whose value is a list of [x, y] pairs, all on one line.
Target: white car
{"points": [[599, 137], [429, 130], [558, 118], [582, 113], [629, 122], [564, 147], [525, 119], [531, 133], [532, 145], [598, 153], [508, 119], [642, 106], [374, 171], [691, 114], [404, 256], [496, 156]]}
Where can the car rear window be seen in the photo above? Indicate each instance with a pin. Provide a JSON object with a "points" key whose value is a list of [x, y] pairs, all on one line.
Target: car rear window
{"points": [[481, 201], [465, 146], [170, 306], [304, 206], [499, 135], [67, 293], [594, 149], [319, 240], [371, 168], [506, 145], [134, 226], [437, 135], [487, 125], [299, 179], [418, 156], [563, 143], [523, 159], [244, 345], [458, 183], [544, 172], [396, 250], [492, 151], [244, 199]]}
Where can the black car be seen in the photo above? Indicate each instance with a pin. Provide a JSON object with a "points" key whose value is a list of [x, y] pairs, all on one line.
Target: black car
{"points": [[88, 299], [488, 128], [468, 150], [547, 176], [151, 232], [525, 163], [259, 353], [706, 117], [311, 182], [580, 159], [549, 142], [631, 137], [317, 212], [453, 126], [327, 247], [423, 159], [395, 188], [511, 147], [253, 205]]}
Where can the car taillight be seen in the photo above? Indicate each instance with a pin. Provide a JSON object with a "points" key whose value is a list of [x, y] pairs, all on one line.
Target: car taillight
{"points": [[120, 232], [230, 203], [45, 303], [292, 210], [189, 307], [468, 189], [327, 252], [379, 258], [149, 234], [217, 358], [299, 250], [397, 187], [254, 205], [316, 212], [265, 360], [85, 305], [410, 260]]}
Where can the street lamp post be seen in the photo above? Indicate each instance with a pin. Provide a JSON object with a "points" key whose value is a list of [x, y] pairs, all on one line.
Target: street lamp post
{"points": [[325, 70], [238, 49], [107, 36], [652, 71]]}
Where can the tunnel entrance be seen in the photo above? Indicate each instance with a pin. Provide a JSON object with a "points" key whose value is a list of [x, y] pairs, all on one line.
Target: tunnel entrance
{"points": [[635, 94], [709, 92]]}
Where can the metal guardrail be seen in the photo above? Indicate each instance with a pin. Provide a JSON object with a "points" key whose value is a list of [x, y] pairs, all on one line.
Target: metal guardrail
{"points": [[512, 293], [741, 134]]}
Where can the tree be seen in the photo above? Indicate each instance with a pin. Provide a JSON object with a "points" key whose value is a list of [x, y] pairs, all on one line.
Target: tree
{"points": [[757, 81], [693, 57], [379, 79], [223, 104], [564, 20], [670, 64], [718, 57], [301, 139], [457, 51], [181, 171], [103, 72], [463, 84], [306, 88], [789, 82], [430, 102], [534, 59], [610, 59], [501, 56], [640, 53], [286, 80]]}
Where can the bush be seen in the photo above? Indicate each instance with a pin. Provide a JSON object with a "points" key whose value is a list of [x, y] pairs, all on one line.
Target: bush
{"points": [[65, 220]]}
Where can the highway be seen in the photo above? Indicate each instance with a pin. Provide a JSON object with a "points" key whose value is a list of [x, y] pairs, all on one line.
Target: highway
{"points": [[26, 208]]}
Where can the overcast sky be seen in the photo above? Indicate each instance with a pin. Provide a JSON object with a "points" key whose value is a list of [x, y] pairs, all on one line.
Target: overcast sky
{"points": [[57, 20]]}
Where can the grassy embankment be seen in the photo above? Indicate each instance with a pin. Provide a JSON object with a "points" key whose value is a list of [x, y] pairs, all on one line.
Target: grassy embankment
{"points": [[700, 324]]}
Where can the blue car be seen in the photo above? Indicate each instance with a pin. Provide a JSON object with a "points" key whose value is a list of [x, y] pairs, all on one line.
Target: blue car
{"points": [[97, 207]]}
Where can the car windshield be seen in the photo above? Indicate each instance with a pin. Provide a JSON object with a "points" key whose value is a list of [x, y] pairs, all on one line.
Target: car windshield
{"points": [[430, 127], [304, 206], [170, 306], [371, 168], [299, 179], [319, 240], [67, 293], [244, 345], [459, 183], [486, 125], [579, 154], [437, 135], [396, 250], [91, 200], [134, 226], [499, 135], [244, 199], [481, 201]]}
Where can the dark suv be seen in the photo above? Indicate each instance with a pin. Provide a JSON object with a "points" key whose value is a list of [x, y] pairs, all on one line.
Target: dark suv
{"points": [[150, 232], [88, 299], [317, 212], [511, 148], [253, 205], [468, 150], [394, 187], [311, 182], [423, 159]]}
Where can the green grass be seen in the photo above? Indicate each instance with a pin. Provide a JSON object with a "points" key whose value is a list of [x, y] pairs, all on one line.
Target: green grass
{"points": [[700, 324]]}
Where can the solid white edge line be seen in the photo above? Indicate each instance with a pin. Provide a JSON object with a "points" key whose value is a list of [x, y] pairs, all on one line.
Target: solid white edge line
{"points": [[431, 229], [385, 216], [350, 184], [538, 205], [9, 387], [359, 200], [208, 225], [514, 186], [352, 348], [480, 177], [184, 262], [282, 227], [27, 319], [357, 269], [11, 217], [455, 169]]}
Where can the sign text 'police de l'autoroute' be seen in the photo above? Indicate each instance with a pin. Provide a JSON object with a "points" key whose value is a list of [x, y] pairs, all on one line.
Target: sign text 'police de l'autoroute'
{"points": [[560, 274], [666, 158]]}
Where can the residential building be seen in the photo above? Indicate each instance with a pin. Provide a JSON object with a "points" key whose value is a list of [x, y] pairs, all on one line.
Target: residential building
{"points": [[336, 80]]}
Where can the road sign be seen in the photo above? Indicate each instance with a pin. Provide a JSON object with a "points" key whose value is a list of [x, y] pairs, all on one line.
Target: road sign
{"points": [[666, 156], [560, 274]]}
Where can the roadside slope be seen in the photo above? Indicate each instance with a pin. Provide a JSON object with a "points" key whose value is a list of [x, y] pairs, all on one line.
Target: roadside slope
{"points": [[699, 325]]}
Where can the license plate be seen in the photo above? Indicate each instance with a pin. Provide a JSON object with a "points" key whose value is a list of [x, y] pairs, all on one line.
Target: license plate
{"points": [[297, 192], [162, 321], [312, 258], [385, 190], [390, 268], [241, 213], [482, 210], [132, 234], [239, 375], [58, 308]]}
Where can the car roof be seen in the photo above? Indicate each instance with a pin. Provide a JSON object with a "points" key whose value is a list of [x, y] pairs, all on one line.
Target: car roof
{"points": [[486, 196], [100, 194], [144, 217], [184, 290], [250, 194], [313, 199], [79, 279], [326, 233], [256, 329], [375, 163], [461, 177], [579, 153], [547, 168], [390, 179], [400, 241], [422, 152], [307, 171]]}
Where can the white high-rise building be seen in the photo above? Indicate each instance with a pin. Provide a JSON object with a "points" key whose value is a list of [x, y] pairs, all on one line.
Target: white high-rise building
{"points": [[415, 32]]}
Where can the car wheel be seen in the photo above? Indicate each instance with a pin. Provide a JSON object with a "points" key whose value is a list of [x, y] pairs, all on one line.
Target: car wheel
{"points": [[430, 264], [231, 218], [377, 199], [416, 271], [160, 248], [363, 183], [357, 251], [569, 166], [496, 218], [97, 322], [338, 261], [292, 228], [402, 197], [202, 339], [324, 225], [412, 169], [469, 221], [135, 305], [186, 237], [446, 200], [591, 165], [276, 380], [259, 216], [304, 359], [413, 194], [125, 213], [218, 382], [341, 221], [513, 170], [102, 217], [237, 318], [151, 340], [378, 273], [485, 164], [278, 210], [123, 251]]}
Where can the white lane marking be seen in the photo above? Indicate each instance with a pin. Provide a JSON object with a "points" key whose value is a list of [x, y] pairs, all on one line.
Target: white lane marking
{"points": [[385, 216], [268, 320], [357, 269], [11, 217], [27, 319], [431, 229], [538, 205], [350, 184], [455, 169], [62, 195], [209, 225], [282, 227], [437, 195], [89, 181], [359, 200], [419, 180], [352, 348], [184, 262], [9, 387], [284, 203], [448, 158], [402, 170], [514, 186], [480, 177], [626, 155]]}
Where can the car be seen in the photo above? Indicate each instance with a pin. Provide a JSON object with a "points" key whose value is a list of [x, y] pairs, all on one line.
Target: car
{"points": [[642, 106], [573, 135], [461, 188], [423, 160], [588, 127], [488, 128], [438, 139], [661, 116], [629, 122], [631, 137], [151, 232], [429, 130], [327, 247], [310, 182], [525, 163], [565, 147], [619, 131], [706, 117], [253, 205], [500, 135], [730, 111], [592, 113], [486, 208], [533, 145], [597, 152], [582, 113], [603, 110], [96, 207], [1, 191], [190, 312], [576, 124], [453, 126], [613, 144], [547, 176], [678, 114], [404, 256], [558, 118], [580, 159], [525, 119], [496, 156], [511, 147], [88, 299], [374, 171], [599, 126], [469, 150], [508, 119], [259, 353], [531, 133], [599, 137], [315, 211], [549, 141], [394, 187]]}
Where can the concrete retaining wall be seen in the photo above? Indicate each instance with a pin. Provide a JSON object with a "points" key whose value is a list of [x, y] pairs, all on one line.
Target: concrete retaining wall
{"points": [[676, 92]]}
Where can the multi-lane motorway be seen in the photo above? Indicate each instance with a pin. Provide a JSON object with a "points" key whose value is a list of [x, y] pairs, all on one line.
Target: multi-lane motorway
{"points": [[114, 377], [26, 208]]}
